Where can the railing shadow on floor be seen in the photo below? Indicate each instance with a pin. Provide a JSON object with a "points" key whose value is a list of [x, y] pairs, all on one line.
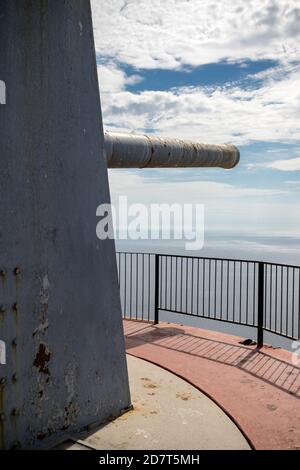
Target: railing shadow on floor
{"points": [[258, 363]]}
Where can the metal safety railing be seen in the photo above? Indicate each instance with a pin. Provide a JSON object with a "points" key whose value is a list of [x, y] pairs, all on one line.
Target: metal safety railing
{"points": [[256, 294]]}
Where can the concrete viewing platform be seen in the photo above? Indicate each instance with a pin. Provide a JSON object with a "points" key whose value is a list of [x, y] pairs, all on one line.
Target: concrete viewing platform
{"points": [[209, 392], [168, 413], [258, 389]]}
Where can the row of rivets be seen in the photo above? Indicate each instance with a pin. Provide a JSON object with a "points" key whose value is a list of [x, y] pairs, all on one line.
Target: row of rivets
{"points": [[16, 271], [3, 273], [14, 412], [3, 380], [3, 308]]}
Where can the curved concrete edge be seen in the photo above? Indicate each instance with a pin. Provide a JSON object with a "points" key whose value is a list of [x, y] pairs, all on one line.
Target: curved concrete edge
{"points": [[258, 389], [163, 401], [202, 390]]}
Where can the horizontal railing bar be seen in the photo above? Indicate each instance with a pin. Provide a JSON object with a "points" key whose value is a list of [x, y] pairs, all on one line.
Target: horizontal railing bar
{"points": [[248, 325], [159, 271], [273, 332], [208, 318], [212, 259]]}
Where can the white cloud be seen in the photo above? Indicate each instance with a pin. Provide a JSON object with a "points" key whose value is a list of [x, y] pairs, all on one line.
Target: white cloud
{"points": [[175, 33], [113, 80], [291, 164], [229, 114]]}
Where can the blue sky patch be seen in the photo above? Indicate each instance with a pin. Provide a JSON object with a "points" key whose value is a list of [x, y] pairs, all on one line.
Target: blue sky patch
{"points": [[207, 75]]}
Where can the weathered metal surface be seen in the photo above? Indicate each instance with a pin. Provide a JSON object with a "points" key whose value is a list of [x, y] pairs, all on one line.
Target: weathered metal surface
{"points": [[144, 151], [61, 322]]}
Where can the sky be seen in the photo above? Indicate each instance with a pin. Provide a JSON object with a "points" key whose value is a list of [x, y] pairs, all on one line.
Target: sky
{"points": [[215, 72]]}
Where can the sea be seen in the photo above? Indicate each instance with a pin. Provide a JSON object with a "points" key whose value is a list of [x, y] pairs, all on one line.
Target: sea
{"points": [[270, 248]]}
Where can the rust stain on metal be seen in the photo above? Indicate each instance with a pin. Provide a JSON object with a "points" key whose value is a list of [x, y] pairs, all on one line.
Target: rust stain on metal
{"points": [[3, 274], [42, 359], [71, 414], [17, 271], [41, 435], [16, 445], [17, 274], [15, 311], [15, 308], [15, 412]]}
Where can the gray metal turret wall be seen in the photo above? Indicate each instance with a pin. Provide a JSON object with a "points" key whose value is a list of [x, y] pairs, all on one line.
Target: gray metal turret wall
{"points": [[61, 316]]}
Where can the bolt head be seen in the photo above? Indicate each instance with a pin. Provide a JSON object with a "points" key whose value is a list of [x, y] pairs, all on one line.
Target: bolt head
{"points": [[16, 445], [17, 271], [2, 381], [14, 342], [3, 272], [15, 412], [3, 309], [2, 417], [14, 378]]}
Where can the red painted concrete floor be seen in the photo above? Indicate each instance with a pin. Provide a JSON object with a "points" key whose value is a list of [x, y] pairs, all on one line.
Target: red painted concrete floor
{"points": [[258, 389]]}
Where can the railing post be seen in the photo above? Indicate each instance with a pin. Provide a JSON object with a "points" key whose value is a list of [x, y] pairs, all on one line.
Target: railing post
{"points": [[260, 306], [156, 291]]}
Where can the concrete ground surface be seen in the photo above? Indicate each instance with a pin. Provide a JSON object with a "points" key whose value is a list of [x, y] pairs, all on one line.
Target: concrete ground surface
{"points": [[168, 413], [258, 388]]}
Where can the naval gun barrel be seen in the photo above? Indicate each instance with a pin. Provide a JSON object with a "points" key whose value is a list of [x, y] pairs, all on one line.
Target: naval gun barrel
{"points": [[144, 151]]}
